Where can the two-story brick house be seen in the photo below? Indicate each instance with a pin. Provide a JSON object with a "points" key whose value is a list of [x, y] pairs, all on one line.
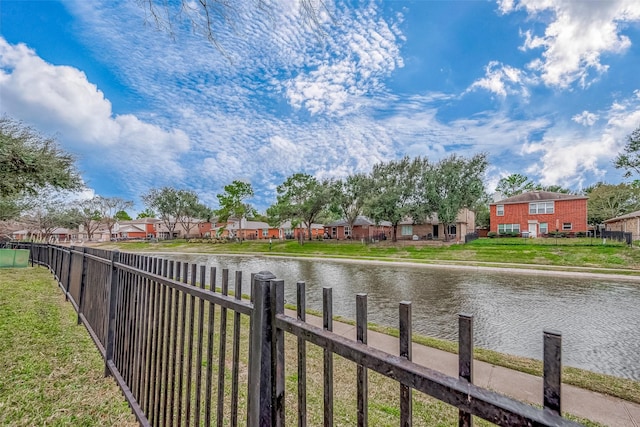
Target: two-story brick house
{"points": [[539, 213]]}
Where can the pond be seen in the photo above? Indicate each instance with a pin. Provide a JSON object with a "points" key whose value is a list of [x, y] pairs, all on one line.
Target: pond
{"points": [[599, 317]]}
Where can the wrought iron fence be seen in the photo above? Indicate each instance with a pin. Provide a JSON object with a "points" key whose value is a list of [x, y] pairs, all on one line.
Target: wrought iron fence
{"points": [[154, 322]]}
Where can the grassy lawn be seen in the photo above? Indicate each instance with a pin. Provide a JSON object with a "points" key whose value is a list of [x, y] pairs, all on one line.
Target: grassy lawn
{"points": [[540, 253], [50, 371]]}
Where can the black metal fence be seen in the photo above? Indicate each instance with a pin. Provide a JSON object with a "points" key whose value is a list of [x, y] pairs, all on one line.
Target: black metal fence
{"points": [[470, 237], [620, 236], [154, 322]]}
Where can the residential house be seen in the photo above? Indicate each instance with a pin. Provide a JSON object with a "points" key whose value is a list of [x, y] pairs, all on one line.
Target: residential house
{"points": [[136, 228], [179, 231], [287, 231], [432, 229], [629, 223], [538, 213], [363, 228], [57, 235]]}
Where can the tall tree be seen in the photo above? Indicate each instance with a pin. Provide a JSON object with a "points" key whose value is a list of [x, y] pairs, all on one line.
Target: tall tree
{"points": [[109, 207], [393, 191], [147, 213], [122, 215], [301, 199], [608, 201], [174, 207], [350, 194], [455, 183], [31, 162], [233, 203], [629, 159], [514, 184], [90, 214]]}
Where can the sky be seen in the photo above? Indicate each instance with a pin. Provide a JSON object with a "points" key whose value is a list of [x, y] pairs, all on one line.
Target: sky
{"points": [[546, 88]]}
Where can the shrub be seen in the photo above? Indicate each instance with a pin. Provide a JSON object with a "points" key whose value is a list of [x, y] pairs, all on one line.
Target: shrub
{"points": [[492, 234]]}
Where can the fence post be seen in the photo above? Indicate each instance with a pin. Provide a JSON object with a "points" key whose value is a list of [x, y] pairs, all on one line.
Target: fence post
{"points": [[465, 360], [277, 298], [111, 319], [83, 278], [260, 405], [66, 293], [405, 341], [552, 370]]}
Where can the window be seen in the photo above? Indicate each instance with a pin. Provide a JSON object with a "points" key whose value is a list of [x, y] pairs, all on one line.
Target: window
{"points": [[544, 228], [508, 228], [407, 230], [500, 210], [541, 208], [566, 226], [347, 231], [265, 232]]}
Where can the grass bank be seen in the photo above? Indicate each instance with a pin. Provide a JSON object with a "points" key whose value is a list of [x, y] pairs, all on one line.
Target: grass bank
{"points": [[50, 371], [584, 253]]}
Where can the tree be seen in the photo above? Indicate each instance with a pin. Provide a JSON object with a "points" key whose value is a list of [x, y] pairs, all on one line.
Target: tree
{"points": [[233, 203], [90, 214], [608, 201], [174, 207], [147, 213], [109, 207], [49, 214], [393, 191], [629, 159], [30, 163], [301, 199], [453, 184], [351, 195], [122, 215], [514, 184]]}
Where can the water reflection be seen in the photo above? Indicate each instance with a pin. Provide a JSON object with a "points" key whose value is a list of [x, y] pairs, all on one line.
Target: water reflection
{"points": [[598, 318]]}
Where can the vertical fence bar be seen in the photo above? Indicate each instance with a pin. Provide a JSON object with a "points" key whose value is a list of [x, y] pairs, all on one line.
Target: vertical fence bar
{"points": [[192, 306], [277, 360], [150, 297], [260, 393], [327, 323], [552, 375], [222, 349], [113, 289], [302, 357], [406, 399], [203, 273], [66, 294], [83, 281], [465, 360], [235, 370], [160, 364], [183, 321], [174, 345], [210, 337], [362, 374], [167, 347]]}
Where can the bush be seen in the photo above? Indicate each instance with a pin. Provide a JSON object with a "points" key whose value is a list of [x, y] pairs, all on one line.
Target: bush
{"points": [[492, 234]]}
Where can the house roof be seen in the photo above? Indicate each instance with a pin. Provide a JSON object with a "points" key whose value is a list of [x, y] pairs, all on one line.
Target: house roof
{"points": [[360, 221], [538, 196], [630, 215]]}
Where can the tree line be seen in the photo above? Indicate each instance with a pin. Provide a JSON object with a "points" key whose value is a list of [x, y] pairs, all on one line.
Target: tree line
{"points": [[32, 166]]}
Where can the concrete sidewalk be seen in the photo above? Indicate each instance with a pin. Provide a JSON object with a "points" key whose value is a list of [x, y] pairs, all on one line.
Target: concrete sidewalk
{"points": [[587, 404]]}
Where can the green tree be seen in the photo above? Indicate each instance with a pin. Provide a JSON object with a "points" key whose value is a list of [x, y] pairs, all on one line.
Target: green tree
{"points": [[90, 215], [29, 164], [608, 201], [122, 215], [629, 159], [394, 191], [174, 207], [109, 207], [301, 199], [453, 184], [147, 213], [233, 203], [350, 195], [514, 184]]}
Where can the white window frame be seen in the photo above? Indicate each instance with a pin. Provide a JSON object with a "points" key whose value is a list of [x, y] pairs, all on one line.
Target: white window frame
{"points": [[508, 228], [567, 226], [544, 228], [406, 230], [499, 210], [347, 231], [537, 208], [265, 232]]}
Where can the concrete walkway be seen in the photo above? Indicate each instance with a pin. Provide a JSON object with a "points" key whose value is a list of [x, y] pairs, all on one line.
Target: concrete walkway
{"points": [[587, 404]]}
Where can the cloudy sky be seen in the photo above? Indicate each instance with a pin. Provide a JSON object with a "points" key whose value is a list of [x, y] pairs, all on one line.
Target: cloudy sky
{"points": [[547, 88]]}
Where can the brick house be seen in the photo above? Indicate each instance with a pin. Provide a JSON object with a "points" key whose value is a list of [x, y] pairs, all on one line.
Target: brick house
{"points": [[432, 229], [628, 223], [539, 213], [363, 228]]}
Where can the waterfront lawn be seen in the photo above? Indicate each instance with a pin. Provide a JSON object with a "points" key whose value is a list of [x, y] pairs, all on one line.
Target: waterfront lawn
{"points": [[50, 371], [571, 252]]}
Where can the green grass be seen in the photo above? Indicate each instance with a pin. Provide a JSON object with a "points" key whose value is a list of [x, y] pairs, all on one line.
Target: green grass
{"points": [[585, 253], [50, 371]]}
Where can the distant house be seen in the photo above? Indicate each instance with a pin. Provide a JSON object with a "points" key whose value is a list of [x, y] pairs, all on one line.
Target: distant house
{"points": [[56, 235], [287, 231], [137, 228], [363, 228], [538, 213], [629, 223], [432, 229]]}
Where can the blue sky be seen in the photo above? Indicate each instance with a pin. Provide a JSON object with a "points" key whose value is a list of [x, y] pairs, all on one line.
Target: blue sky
{"points": [[546, 88]]}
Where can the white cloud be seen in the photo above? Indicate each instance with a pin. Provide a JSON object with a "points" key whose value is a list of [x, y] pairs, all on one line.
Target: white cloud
{"points": [[577, 37], [503, 80], [585, 118], [60, 100]]}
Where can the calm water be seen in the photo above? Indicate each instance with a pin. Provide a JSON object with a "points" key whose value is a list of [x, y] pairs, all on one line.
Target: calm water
{"points": [[599, 319]]}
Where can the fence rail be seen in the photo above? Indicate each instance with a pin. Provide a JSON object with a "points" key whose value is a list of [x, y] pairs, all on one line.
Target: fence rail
{"points": [[185, 351]]}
